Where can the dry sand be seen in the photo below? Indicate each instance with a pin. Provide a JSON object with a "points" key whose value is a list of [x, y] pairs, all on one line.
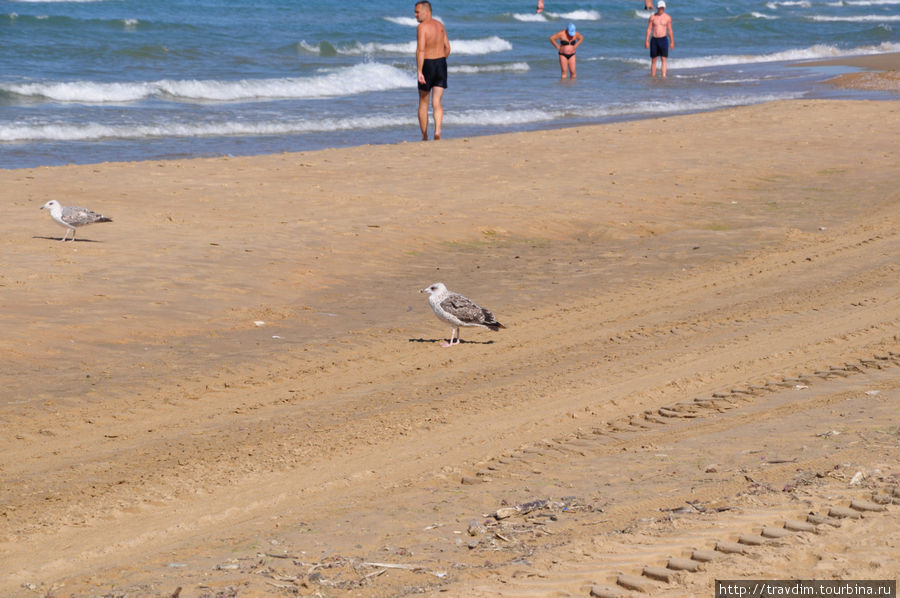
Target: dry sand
{"points": [[236, 389]]}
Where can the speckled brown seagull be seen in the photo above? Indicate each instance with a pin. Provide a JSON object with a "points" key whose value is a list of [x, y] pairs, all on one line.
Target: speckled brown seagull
{"points": [[71, 217], [456, 310]]}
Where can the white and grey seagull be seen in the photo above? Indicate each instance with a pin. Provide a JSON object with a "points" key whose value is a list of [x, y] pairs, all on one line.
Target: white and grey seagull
{"points": [[456, 310], [71, 217]]}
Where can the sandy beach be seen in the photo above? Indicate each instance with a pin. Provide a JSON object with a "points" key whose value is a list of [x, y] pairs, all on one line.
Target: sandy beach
{"points": [[236, 388]]}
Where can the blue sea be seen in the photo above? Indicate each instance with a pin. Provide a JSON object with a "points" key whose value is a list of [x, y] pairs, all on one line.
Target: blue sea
{"points": [[84, 81]]}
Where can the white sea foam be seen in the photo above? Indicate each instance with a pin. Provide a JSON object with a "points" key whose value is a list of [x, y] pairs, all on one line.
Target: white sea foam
{"points": [[475, 47], [308, 47], [865, 3], [575, 15], [856, 19], [813, 52], [483, 118], [471, 47], [98, 131], [82, 91], [511, 67], [643, 14], [499, 118], [686, 105], [365, 49], [759, 15], [800, 3], [734, 81], [405, 21], [361, 78], [409, 21], [530, 17], [521, 117]]}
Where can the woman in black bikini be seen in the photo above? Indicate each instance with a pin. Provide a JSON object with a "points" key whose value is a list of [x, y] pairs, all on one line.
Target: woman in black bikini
{"points": [[565, 42]]}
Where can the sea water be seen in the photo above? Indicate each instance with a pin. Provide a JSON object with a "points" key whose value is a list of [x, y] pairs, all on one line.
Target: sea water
{"points": [[85, 81]]}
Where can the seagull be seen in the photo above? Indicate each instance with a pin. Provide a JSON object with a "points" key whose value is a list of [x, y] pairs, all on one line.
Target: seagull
{"points": [[456, 310], [71, 217]]}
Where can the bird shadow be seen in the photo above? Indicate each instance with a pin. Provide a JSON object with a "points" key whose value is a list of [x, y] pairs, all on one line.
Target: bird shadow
{"points": [[444, 340], [67, 240]]}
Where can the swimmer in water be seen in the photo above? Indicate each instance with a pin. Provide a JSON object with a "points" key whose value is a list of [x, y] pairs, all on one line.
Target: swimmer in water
{"points": [[566, 42]]}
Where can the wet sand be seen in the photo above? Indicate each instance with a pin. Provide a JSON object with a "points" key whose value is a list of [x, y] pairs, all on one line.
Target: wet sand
{"points": [[236, 389], [880, 72]]}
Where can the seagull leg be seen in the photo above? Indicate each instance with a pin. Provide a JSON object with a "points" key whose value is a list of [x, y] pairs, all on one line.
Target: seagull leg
{"points": [[453, 332], [65, 235]]}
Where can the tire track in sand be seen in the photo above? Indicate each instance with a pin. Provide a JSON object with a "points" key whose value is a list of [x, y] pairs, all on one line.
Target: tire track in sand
{"points": [[600, 360]]}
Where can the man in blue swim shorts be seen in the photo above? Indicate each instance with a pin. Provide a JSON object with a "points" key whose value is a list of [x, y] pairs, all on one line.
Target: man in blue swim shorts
{"points": [[432, 50], [660, 27]]}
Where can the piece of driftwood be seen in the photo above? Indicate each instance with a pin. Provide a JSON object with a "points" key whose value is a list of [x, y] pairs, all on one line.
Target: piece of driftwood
{"points": [[394, 566]]}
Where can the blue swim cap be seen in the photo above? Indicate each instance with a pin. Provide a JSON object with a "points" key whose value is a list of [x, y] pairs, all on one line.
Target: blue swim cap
{"points": [[571, 29]]}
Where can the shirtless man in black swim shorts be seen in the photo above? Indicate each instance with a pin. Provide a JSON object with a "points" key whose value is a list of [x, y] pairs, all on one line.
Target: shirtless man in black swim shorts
{"points": [[660, 27], [432, 50]]}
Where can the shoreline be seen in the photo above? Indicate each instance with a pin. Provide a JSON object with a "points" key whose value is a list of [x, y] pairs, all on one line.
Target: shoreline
{"points": [[880, 72], [240, 365], [881, 76]]}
